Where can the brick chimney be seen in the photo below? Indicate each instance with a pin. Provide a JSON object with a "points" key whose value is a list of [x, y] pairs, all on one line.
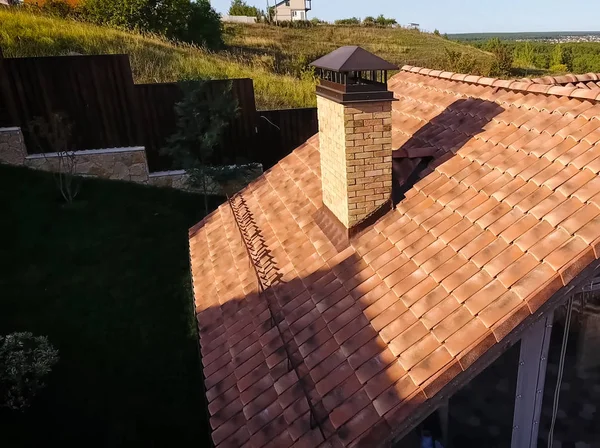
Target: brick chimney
{"points": [[355, 133]]}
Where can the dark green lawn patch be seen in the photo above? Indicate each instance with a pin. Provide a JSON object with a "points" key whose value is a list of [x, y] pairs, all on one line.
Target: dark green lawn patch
{"points": [[107, 280]]}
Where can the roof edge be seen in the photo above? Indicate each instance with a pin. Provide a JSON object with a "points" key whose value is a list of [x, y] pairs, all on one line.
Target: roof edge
{"points": [[516, 85], [513, 332]]}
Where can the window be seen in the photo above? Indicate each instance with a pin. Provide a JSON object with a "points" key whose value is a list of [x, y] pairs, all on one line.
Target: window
{"points": [[287, 3]]}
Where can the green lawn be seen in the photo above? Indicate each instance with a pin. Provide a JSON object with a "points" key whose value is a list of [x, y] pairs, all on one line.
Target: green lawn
{"points": [[107, 280]]}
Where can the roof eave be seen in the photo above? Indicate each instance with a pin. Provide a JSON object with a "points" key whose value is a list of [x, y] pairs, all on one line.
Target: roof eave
{"points": [[420, 413]]}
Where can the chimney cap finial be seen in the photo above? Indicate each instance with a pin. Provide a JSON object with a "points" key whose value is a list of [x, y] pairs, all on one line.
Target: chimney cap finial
{"points": [[352, 58]]}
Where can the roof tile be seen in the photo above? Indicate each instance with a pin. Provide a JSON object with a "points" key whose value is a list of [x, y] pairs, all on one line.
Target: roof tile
{"points": [[431, 365], [506, 214]]}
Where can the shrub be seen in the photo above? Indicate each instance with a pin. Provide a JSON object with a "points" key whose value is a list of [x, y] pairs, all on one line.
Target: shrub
{"points": [[381, 20], [55, 134], [503, 57], [295, 24], [350, 21], [203, 27], [524, 55], [25, 360], [57, 8], [459, 62], [559, 68], [196, 22], [562, 56], [241, 8], [369, 21]]}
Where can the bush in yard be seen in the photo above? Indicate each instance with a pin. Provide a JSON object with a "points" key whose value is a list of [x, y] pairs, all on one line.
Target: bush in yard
{"points": [[25, 360], [55, 134]]}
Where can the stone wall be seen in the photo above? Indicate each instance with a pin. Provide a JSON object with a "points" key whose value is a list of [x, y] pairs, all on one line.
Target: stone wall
{"points": [[12, 146], [128, 164], [170, 179], [356, 157]]}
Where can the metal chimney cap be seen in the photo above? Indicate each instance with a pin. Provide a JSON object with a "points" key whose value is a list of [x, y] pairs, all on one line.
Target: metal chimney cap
{"points": [[352, 58]]}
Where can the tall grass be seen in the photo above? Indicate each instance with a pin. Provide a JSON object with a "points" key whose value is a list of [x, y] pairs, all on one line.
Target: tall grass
{"points": [[292, 47], [153, 59]]}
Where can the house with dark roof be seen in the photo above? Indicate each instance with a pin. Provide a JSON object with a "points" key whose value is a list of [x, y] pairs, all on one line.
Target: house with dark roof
{"points": [[436, 222]]}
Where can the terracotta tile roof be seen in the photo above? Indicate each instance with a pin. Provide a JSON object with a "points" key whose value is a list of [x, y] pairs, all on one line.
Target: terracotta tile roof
{"points": [[586, 81], [345, 346]]}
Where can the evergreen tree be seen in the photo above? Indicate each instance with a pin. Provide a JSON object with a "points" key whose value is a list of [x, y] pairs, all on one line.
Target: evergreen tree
{"points": [[202, 120]]}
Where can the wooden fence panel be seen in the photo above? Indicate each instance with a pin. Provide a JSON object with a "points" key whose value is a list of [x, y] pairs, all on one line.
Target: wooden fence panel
{"points": [[282, 131], [94, 93], [158, 121], [7, 103], [98, 97]]}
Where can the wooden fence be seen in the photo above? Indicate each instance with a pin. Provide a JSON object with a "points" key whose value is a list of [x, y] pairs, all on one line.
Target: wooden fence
{"points": [[158, 120], [284, 130], [94, 93], [106, 109]]}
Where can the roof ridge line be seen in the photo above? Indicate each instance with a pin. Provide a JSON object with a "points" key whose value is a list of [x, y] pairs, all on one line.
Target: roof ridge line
{"points": [[509, 84], [566, 78]]}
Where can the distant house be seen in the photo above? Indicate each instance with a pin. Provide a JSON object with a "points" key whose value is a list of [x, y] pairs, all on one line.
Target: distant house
{"points": [[414, 26], [292, 10]]}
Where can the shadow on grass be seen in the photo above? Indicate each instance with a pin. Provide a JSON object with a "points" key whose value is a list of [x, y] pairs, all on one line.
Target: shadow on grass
{"points": [[107, 280]]}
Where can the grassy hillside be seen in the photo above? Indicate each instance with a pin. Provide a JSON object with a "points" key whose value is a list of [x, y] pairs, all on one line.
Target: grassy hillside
{"points": [[275, 58], [288, 49]]}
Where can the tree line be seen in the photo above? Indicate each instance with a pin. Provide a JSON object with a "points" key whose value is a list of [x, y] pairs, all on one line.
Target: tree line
{"points": [[184, 20], [531, 57]]}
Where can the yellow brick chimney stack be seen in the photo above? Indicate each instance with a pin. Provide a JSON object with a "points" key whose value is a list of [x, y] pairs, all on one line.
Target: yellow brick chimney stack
{"points": [[355, 133]]}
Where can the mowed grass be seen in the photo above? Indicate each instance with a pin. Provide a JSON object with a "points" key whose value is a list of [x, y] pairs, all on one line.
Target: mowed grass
{"points": [[275, 58], [153, 59], [107, 280]]}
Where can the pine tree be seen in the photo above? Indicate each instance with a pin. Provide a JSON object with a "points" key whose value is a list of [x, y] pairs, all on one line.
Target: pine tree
{"points": [[203, 118]]}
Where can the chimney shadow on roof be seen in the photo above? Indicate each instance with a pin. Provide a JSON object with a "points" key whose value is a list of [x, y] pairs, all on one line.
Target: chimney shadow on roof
{"points": [[437, 141], [310, 345]]}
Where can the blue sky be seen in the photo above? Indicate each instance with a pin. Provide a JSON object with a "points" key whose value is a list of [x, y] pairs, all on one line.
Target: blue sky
{"points": [[462, 16]]}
